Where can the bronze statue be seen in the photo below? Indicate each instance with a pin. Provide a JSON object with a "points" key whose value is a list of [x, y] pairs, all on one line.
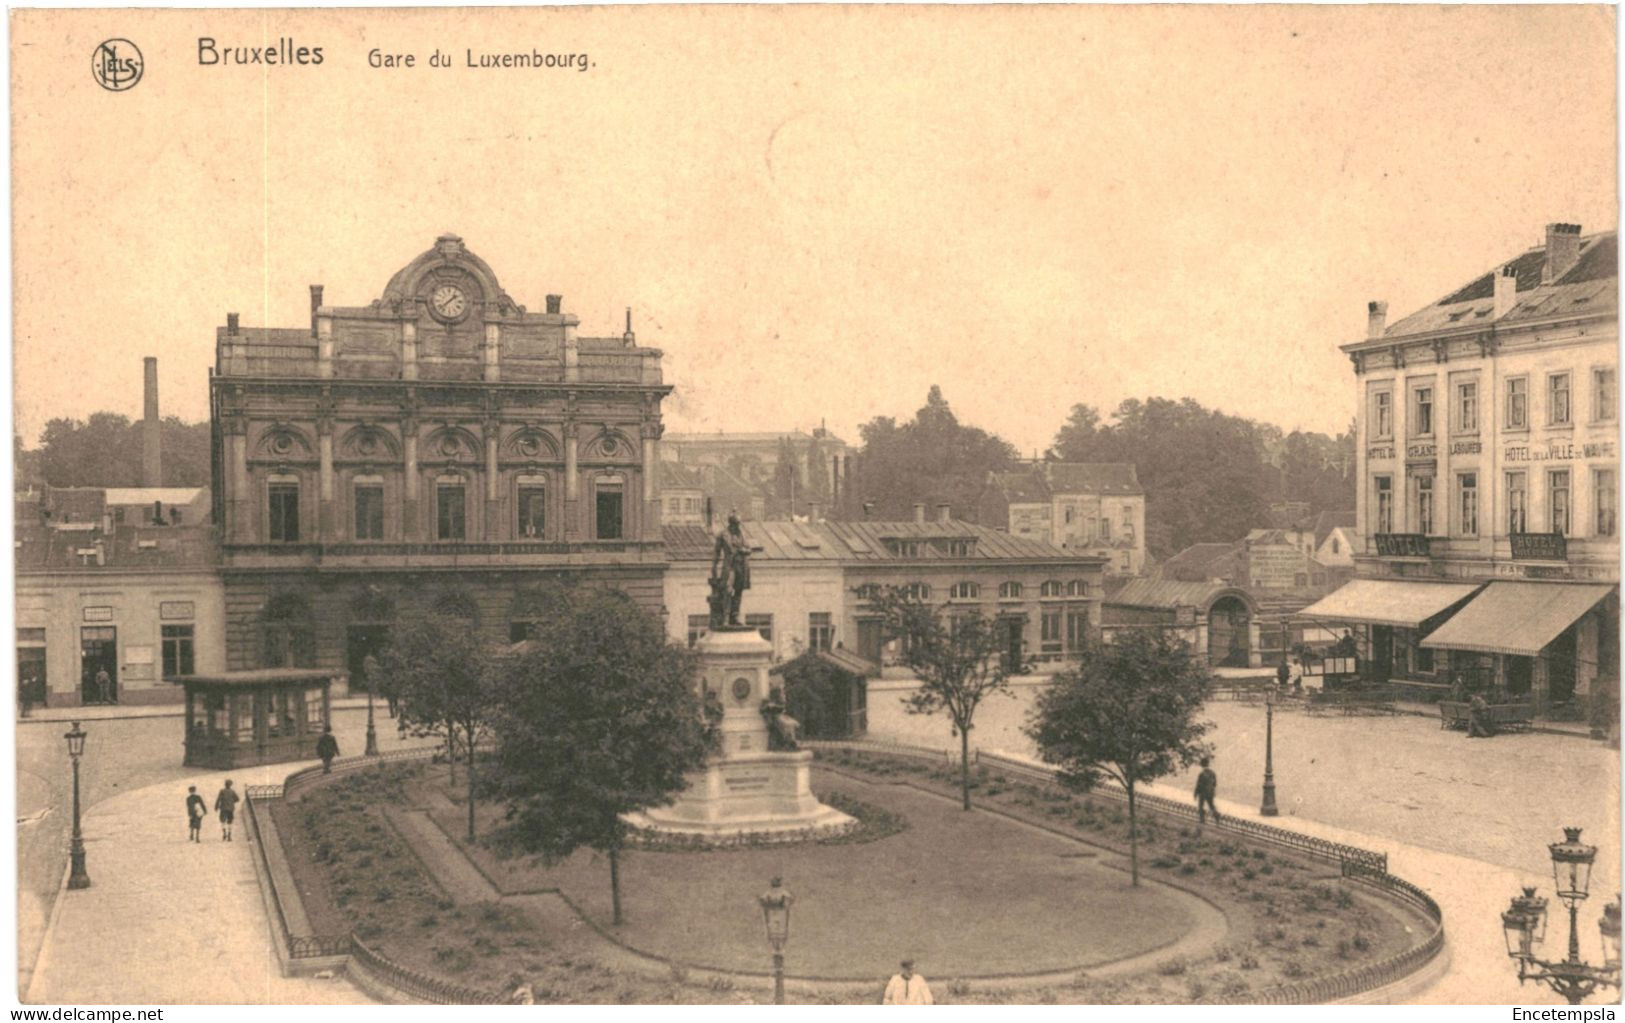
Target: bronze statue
{"points": [[783, 731], [730, 571]]}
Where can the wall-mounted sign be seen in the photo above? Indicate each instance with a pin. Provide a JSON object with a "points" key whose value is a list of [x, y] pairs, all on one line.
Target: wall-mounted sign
{"points": [[1466, 447], [98, 614], [1381, 451], [1421, 451], [171, 610], [1600, 449], [1553, 451], [138, 655]]}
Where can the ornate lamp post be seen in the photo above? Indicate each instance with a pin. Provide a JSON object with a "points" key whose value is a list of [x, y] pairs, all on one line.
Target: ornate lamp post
{"points": [[1268, 808], [77, 878], [372, 734], [1524, 923], [775, 903]]}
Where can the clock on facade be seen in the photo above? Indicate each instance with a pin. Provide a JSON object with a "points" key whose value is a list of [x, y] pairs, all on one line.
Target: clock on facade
{"points": [[448, 304], [741, 689]]}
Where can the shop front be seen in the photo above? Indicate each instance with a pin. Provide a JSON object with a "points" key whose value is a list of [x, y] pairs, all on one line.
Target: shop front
{"points": [[240, 718]]}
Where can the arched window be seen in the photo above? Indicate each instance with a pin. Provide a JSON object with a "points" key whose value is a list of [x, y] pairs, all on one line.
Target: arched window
{"points": [[1010, 591], [868, 591], [964, 591], [917, 591], [609, 507], [282, 508], [1052, 588], [1077, 588], [532, 505]]}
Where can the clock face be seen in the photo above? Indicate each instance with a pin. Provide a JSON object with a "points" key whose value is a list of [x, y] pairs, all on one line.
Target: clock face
{"points": [[448, 303]]}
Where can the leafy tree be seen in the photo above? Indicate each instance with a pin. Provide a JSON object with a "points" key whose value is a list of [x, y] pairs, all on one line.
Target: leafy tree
{"points": [[445, 680], [934, 459], [960, 659], [600, 718], [105, 451], [1127, 713], [812, 695]]}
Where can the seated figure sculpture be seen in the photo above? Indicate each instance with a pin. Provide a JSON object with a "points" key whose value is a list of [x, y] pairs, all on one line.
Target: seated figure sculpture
{"points": [[783, 731]]}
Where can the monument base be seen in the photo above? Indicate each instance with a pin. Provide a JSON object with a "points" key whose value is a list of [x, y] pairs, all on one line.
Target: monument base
{"points": [[744, 798]]}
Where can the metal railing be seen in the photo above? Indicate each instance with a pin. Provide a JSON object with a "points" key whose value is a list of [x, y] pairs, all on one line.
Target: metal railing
{"points": [[434, 990], [899, 749], [298, 946]]}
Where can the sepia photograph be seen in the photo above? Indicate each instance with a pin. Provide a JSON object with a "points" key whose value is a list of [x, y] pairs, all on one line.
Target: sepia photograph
{"points": [[822, 505]]}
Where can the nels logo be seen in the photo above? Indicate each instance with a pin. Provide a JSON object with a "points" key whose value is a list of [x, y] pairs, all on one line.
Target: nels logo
{"points": [[116, 65]]}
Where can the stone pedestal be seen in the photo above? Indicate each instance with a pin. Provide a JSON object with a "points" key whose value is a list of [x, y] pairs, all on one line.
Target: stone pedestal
{"points": [[745, 787]]}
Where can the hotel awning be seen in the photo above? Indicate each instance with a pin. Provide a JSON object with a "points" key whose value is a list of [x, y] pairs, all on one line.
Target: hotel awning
{"points": [[1401, 603], [1516, 617]]}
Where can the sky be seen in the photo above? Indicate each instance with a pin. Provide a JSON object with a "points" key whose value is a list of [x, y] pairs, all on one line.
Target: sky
{"points": [[815, 213]]}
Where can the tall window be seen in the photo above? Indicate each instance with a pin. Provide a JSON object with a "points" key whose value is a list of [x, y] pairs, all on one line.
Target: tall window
{"points": [[1077, 628], [1517, 403], [369, 510], [1422, 503], [533, 507], [1467, 504], [1049, 632], [177, 649], [610, 496], [1467, 406], [1385, 503], [1517, 502], [451, 511], [1105, 530], [820, 630], [1557, 488], [1604, 394], [1557, 399], [1605, 497], [284, 502], [1422, 412], [1382, 414]]}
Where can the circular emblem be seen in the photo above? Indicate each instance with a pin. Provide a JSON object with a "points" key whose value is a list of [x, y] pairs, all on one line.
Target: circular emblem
{"points": [[448, 304], [529, 446], [741, 689], [116, 65], [449, 446], [611, 445], [281, 444], [368, 444]]}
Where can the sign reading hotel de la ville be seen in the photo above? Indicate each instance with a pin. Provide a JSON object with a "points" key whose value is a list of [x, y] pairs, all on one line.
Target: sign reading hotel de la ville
{"points": [[1558, 451]]}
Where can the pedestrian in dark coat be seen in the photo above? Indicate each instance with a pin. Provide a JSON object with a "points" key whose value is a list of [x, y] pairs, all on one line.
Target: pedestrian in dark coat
{"points": [[327, 748], [225, 804], [1480, 722], [195, 812], [1207, 783]]}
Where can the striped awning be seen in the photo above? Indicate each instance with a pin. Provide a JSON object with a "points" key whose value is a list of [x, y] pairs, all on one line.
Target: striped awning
{"points": [[1396, 602], [1516, 617]]}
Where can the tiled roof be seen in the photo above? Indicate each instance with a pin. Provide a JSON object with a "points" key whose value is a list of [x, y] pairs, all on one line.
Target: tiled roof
{"points": [[675, 476], [127, 548], [1020, 487], [1166, 593], [1197, 561], [865, 542], [1041, 482], [1589, 286], [1327, 521]]}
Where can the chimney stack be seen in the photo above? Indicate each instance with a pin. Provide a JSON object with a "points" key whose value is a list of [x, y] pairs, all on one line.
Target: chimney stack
{"points": [[231, 324], [945, 513], [554, 304], [919, 511], [709, 516], [1376, 320], [868, 510], [152, 469], [315, 304], [815, 511], [1562, 251], [1506, 290]]}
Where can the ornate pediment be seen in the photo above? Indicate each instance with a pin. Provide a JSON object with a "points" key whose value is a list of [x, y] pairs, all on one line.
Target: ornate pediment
{"points": [[368, 443], [284, 441], [450, 444], [531, 444], [448, 265], [609, 444]]}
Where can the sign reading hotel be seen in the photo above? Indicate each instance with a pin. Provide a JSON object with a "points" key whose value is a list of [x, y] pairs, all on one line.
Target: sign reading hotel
{"points": [[1559, 451]]}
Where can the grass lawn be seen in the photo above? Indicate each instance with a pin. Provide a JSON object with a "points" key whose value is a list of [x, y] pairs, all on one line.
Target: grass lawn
{"points": [[963, 894]]}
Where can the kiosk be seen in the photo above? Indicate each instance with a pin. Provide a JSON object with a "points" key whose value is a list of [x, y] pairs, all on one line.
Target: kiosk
{"points": [[265, 716]]}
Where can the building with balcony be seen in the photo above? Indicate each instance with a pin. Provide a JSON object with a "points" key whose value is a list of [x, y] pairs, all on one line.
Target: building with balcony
{"points": [[1487, 533], [438, 449], [1098, 508]]}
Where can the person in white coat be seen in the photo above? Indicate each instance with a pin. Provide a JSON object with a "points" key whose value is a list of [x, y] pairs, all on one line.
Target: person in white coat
{"points": [[907, 987]]}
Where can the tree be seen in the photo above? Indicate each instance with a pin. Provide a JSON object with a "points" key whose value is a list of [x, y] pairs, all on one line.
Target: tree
{"points": [[445, 680], [600, 718], [1127, 713], [933, 460], [959, 662], [105, 451]]}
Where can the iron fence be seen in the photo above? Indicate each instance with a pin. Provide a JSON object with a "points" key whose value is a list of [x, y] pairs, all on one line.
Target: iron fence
{"points": [[433, 990]]}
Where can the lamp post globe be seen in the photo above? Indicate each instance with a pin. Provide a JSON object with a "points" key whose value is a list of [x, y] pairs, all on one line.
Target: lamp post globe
{"points": [[1524, 923], [775, 903], [77, 876]]}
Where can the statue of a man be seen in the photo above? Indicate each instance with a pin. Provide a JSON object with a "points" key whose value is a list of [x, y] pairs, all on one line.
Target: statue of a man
{"points": [[730, 563]]}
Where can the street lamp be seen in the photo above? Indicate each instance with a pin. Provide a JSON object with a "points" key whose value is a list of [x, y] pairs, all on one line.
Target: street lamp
{"points": [[1268, 808], [77, 878], [372, 734], [775, 903], [1524, 923]]}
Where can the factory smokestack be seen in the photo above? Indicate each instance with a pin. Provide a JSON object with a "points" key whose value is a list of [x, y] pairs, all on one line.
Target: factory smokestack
{"points": [[152, 474]]}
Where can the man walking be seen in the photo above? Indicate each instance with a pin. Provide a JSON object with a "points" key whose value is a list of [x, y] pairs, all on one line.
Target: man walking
{"points": [[1207, 783], [195, 812], [225, 804], [907, 987], [327, 748]]}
